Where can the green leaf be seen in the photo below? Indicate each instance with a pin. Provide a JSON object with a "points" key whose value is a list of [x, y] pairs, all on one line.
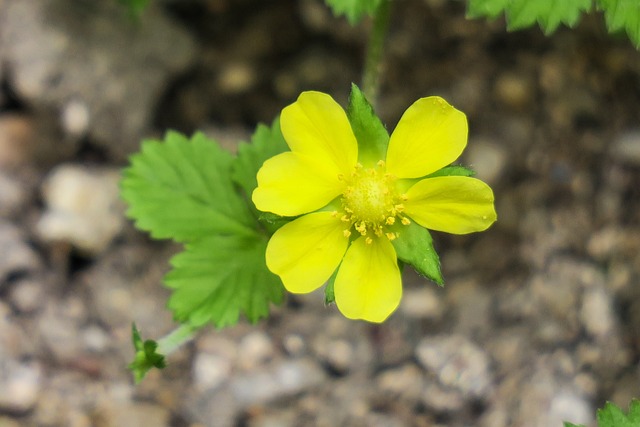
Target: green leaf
{"points": [[371, 134], [136, 7], [414, 246], [181, 189], [354, 10], [524, 13], [146, 356], [612, 416], [266, 142], [219, 277], [623, 15]]}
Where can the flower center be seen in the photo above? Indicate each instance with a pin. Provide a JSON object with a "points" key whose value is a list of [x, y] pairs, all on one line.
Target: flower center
{"points": [[371, 202]]}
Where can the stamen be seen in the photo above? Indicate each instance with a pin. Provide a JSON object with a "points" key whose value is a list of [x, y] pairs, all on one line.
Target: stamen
{"points": [[368, 240], [391, 236], [334, 214], [390, 220], [380, 163], [346, 232], [405, 221]]}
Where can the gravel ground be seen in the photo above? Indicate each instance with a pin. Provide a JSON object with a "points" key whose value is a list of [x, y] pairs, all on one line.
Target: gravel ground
{"points": [[539, 321]]}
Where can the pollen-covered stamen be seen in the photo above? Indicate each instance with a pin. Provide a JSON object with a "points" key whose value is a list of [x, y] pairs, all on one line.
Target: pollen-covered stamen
{"points": [[371, 203]]}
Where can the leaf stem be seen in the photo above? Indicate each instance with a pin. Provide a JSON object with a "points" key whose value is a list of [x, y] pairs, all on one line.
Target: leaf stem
{"points": [[176, 339], [373, 60]]}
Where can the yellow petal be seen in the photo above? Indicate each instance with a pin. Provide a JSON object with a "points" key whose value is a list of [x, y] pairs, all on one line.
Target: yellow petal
{"points": [[430, 135], [316, 126], [455, 204], [290, 184], [368, 284], [306, 251]]}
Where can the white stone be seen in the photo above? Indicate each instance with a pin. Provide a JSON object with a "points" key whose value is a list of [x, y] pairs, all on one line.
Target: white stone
{"points": [[83, 208]]}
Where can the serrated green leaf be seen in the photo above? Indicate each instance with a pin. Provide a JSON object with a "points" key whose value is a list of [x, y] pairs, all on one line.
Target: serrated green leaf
{"points": [[414, 246], [612, 416], [373, 138], [219, 277], [181, 189], [623, 15], [146, 356], [524, 13], [354, 10]]}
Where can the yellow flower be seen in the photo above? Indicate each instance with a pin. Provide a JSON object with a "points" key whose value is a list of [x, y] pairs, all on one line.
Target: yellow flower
{"points": [[352, 205]]}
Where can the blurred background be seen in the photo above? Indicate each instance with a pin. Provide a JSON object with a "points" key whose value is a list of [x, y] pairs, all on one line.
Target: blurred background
{"points": [[539, 320]]}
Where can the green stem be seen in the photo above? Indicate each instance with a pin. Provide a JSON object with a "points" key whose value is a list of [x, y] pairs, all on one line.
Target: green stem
{"points": [[373, 61], [178, 337]]}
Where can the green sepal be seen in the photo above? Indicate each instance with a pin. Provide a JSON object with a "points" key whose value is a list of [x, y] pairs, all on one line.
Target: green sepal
{"points": [[146, 356], [272, 222], [354, 10], [372, 137], [329, 294], [452, 170], [414, 246], [219, 277]]}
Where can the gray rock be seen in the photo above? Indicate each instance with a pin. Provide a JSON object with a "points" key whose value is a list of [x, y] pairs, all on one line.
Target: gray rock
{"points": [[487, 158], [125, 285], [596, 313], [20, 385], [459, 365], [422, 303], [254, 350], [283, 379], [130, 414], [336, 353], [210, 370], [59, 327], [83, 207], [28, 295], [626, 148], [92, 66], [14, 195], [16, 256], [405, 382]]}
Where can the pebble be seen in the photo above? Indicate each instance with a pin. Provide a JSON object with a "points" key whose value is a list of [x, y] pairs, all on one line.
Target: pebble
{"points": [[27, 295], [210, 370], [16, 256], [626, 148], [14, 195], [336, 353], [49, 48], [459, 364], [255, 349], [514, 90], [405, 382], [285, 378], [17, 141], [487, 158], [596, 313], [422, 303], [83, 207], [135, 414], [20, 385], [59, 327]]}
